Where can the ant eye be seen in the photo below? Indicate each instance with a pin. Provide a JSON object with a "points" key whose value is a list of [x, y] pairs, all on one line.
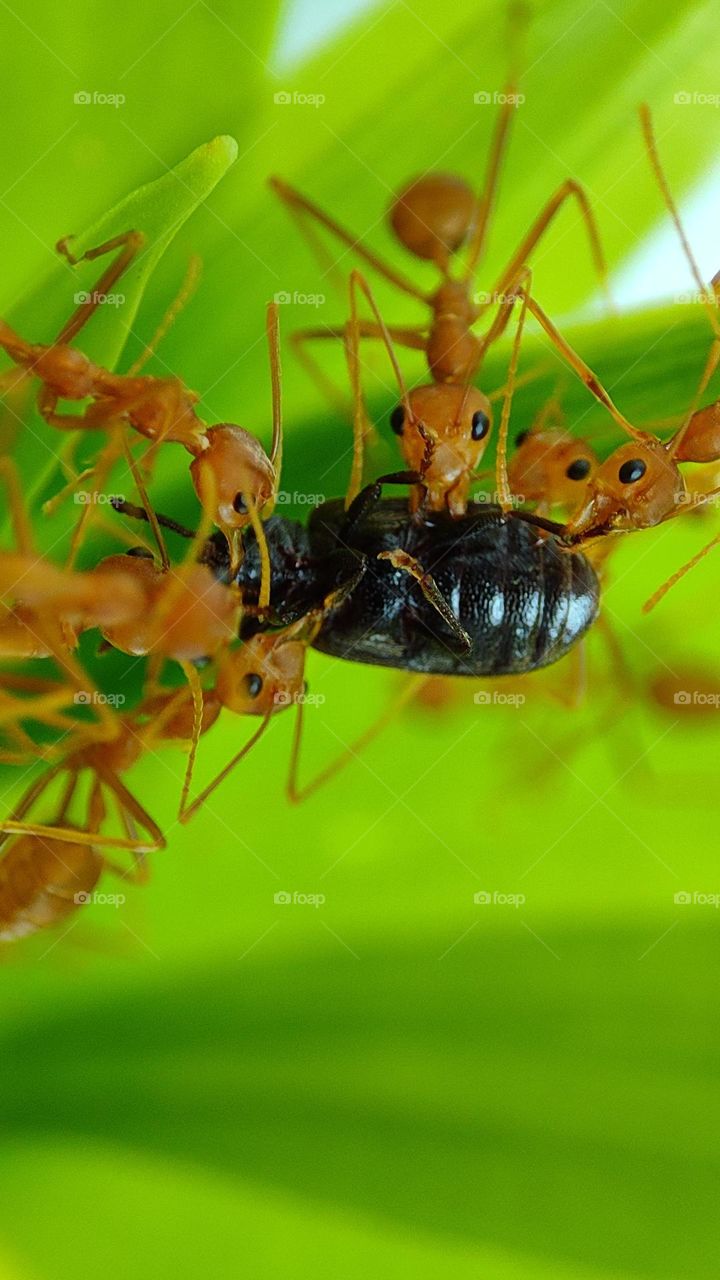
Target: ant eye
{"points": [[141, 553], [240, 504], [480, 425], [253, 684], [397, 419], [579, 469], [632, 470], [520, 438]]}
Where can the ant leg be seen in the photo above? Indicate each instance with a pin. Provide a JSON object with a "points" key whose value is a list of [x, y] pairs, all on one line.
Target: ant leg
{"points": [[675, 577], [358, 283], [147, 505], [583, 371], [140, 815], [129, 243], [297, 794], [305, 213], [411, 338], [400, 559], [205, 794], [15, 347], [272, 323], [530, 376], [367, 498], [185, 293], [709, 299], [502, 482], [33, 793], [517, 21], [102, 467], [193, 680], [569, 189], [22, 531]]}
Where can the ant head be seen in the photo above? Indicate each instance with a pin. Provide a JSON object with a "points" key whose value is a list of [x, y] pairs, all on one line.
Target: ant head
{"points": [[234, 467], [445, 434], [262, 676], [186, 614], [636, 487], [552, 466], [433, 216]]}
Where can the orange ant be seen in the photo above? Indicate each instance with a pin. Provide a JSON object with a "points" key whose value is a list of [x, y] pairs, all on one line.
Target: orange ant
{"points": [[640, 485], [550, 467], [51, 869], [433, 217], [244, 479]]}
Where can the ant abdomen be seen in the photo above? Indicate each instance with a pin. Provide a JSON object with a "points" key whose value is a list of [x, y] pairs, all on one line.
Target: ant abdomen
{"points": [[43, 880], [434, 215]]}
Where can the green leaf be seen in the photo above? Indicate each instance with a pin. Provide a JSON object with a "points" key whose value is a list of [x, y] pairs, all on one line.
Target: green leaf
{"points": [[400, 1080]]}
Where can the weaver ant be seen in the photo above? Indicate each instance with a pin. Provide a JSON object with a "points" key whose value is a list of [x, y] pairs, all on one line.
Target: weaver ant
{"points": [[434, 217], [228, 461], [50, 869], [640, 485]]}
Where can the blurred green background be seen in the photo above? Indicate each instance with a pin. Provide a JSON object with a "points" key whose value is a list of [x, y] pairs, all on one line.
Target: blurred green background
{"points": [[399, 1081]]}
